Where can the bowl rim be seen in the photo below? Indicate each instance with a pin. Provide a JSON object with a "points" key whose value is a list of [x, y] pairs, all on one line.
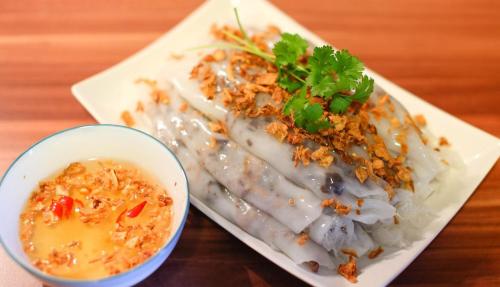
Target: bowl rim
{"points": [[51, 278]]}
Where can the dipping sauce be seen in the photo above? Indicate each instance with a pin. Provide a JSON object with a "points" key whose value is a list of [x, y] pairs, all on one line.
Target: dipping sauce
{"points": [[94, 219]]}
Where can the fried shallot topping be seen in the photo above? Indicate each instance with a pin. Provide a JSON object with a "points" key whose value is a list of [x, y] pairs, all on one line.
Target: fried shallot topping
{"points": [[361, 174], [249, 88], [278, 130], [443, 141], [183, 107], [349, 252], [349, 270], [375, 252], [337, 206], [218, 127], [360, 202], [302, 238], [139, 107], [420, 120], [302, 154], [323, 156], [158, 95], [127, 118]]}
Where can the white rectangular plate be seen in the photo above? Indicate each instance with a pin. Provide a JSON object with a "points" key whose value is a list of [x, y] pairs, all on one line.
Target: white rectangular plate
{"points": [[104, 96]]}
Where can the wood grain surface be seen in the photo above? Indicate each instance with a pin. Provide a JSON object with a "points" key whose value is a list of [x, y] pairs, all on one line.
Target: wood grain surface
{"points": [[445, 51]]}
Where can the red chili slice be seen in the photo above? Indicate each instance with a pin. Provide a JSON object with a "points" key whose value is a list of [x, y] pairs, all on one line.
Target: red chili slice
{"points": [[67, 203], [136, 210], [120, 217], [57, 209]]}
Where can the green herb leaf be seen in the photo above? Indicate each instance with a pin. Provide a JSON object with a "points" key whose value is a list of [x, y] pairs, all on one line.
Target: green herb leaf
{"points": [[288, 83], [347, 67], [295, 103], [314, 118], [332, 72], [313, 112], [289, 49], [321, 64], [324, 88], [287, 79], [363, 90], [340, 104], [306, 115]]}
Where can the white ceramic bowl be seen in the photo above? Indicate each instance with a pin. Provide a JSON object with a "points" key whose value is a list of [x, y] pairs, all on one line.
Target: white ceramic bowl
{"points": [[81, 143]]}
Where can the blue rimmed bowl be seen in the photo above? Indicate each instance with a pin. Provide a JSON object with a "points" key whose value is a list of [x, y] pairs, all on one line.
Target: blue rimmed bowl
{"points": [[81, 143]]}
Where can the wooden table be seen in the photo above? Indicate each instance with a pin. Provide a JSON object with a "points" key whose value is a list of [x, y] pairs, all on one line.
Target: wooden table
{"points": [[446, 51]]}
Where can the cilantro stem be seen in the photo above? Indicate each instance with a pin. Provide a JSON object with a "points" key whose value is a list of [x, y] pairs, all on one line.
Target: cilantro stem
{"points": [[251, 49], [296, 77], [240, 26], [234, 37], [220, 46], [259, 53], [248, 46], [216, 45], [302, 68], [264, 55], [246, 39]]}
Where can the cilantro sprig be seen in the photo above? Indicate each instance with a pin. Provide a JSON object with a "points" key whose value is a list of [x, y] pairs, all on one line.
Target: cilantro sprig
{"points": [[334, 76], [305, 114]]}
